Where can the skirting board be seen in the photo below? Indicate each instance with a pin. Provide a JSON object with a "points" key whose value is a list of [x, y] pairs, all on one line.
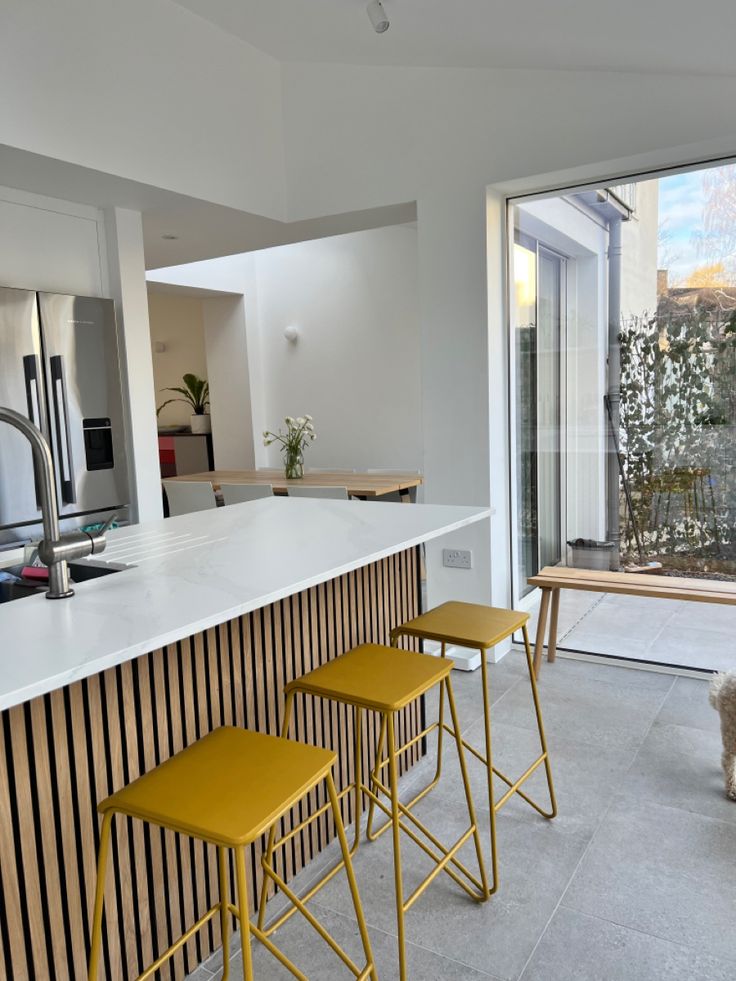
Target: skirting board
{"points": [[462, 658]]}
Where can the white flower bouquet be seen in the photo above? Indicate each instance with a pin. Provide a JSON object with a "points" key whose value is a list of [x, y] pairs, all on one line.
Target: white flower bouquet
{"points": [[299, 434]]}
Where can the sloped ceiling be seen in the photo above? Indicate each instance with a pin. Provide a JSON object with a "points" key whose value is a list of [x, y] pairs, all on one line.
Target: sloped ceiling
{"points": [[629, 35]]}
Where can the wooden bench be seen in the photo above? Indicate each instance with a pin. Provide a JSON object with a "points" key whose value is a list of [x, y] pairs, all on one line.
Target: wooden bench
{"points": [[552, 579]]}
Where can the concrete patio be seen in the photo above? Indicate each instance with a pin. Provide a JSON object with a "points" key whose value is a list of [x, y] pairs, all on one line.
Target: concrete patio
{"points": [[686, 635]]}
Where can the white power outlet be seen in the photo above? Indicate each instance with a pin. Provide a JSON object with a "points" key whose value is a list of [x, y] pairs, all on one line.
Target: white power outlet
{"points": [[457, 558]]}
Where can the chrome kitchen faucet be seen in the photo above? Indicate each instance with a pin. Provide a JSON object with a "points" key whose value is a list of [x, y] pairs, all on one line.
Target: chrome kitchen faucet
{"points": [[55, 550]]}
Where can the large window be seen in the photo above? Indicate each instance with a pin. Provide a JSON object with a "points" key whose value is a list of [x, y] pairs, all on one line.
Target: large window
{"points": [[623, 402]]}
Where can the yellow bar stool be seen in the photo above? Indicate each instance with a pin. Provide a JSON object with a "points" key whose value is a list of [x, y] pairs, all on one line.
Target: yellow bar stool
{"points": [[228, 789], [480, 627], [372, 678]]}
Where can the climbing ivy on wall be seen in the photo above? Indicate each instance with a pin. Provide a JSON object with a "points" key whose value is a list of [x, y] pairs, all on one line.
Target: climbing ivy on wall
{"points": [[677, 431]]}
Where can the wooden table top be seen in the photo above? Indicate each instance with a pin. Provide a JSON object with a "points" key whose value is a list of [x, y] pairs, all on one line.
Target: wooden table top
{"points": [[358, 484], [636, 584]]}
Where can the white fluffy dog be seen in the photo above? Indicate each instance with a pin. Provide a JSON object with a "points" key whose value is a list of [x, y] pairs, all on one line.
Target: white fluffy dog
{"points": [[723, 698]]}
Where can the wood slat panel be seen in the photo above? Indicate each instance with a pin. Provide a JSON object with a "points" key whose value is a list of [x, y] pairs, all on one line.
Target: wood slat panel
{"points": [[62, 753]]}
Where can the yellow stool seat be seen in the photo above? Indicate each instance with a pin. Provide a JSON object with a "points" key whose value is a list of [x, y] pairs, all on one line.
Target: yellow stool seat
{"points": [[465, 624], [482, 627], [372, 677], [375, 678], [227, 788]]}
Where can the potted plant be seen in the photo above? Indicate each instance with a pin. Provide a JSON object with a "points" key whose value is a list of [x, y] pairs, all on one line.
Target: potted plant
{"points": [[196, 392], [299, 434]]}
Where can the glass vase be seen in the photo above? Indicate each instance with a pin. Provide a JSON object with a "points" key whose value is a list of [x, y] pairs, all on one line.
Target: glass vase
{"points": [[293, 464]]}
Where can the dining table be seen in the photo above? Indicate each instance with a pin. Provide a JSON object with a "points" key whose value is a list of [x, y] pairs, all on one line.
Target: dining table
{"points": [[364, 486]]}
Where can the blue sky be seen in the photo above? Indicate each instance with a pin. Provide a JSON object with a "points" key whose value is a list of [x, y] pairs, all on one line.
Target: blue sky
{"points": [[680, 217]]}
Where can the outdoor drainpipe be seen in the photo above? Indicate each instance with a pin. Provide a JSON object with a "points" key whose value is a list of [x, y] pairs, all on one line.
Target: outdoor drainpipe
{"points": [[613, 530]]}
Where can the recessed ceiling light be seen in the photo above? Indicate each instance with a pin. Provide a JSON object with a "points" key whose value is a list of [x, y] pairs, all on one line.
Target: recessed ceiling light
{"points": [[170, 238], [377, 16]]}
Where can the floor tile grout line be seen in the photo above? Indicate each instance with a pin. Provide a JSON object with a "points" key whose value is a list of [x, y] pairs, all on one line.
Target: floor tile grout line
{"points": [[410, 943], [637, 930], [582, 617], [651, 726], [572, 875], [659, 634], [599, 823], [621, 793], [681, 810]]}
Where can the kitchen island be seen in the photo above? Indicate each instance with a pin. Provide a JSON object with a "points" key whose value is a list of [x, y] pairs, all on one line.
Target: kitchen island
{"points": [[211, 615]]}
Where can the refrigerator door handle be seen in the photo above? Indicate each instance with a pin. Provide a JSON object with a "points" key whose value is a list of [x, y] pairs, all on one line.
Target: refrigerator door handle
{"points": [[63, 434], [31, 375]]}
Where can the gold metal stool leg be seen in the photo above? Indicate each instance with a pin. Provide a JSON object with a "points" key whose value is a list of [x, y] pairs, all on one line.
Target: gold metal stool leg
{"points": [[488, 747], [357, 905], [96, 941], [358, 808], [299, 904], [441, 728], [224, 912], [243, 917], [540, 726], [398, 879], [485, 757], [466, 785], [447, 855], [378, 766], [268, 854]]}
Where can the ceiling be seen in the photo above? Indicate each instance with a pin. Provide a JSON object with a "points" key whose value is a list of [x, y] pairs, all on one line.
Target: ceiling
{"points": [[177, 228], [629, 35]]}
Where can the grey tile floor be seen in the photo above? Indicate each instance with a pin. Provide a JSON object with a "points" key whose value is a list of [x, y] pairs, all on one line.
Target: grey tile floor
{"points": [[688, 635], [635, 880]]}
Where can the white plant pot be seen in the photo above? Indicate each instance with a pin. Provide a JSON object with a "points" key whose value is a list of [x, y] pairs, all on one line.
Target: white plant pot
{"points": [[201, 424]]}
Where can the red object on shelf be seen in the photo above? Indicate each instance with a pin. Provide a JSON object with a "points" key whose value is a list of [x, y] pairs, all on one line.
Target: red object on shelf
{"points": [[39, 572]]}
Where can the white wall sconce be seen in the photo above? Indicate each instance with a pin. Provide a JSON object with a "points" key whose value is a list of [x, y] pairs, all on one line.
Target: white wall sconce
{"points": [[291, 333], [377, 16]]}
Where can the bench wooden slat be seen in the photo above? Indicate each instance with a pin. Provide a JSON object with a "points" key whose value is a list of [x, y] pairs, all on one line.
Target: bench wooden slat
{"points": [[637, 584]]}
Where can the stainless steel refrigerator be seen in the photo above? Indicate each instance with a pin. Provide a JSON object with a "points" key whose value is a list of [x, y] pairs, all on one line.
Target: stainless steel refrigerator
{"points": [[59, 366]]}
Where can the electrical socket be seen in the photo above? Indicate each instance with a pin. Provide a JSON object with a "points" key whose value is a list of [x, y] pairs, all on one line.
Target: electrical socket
{"points": [[457, 558]]}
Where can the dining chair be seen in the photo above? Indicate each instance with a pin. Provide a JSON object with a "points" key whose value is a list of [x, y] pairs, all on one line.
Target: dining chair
{"points": [[239, 493], [338, 493], [187, 496]]}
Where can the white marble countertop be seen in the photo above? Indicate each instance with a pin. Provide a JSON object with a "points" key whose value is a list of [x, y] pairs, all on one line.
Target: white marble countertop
{"points": [[193, 572]]}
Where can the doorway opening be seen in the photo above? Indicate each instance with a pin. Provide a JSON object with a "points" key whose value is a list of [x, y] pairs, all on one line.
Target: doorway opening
{"points": [[623, 405]]}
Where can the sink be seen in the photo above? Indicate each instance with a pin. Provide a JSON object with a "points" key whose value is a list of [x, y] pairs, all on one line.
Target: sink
{"points": [[79, 572], [82, 571]]}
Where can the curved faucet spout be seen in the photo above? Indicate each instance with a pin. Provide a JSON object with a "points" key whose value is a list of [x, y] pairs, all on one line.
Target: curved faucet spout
{"points": [[59, 586], [45, 468]]}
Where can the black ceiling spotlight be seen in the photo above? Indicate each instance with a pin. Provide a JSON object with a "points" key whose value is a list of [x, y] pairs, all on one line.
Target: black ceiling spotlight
{"points": [[377, 16]]}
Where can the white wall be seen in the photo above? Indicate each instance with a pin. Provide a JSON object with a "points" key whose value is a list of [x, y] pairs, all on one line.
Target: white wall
{"points": [[47, 244], [177, 322], [356, 366], [229, 370], [127, 279], [144, 89], [639, 238]]}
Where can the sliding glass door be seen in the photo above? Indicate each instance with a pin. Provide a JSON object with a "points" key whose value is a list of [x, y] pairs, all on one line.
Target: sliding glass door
{"points": [[537, 320]]}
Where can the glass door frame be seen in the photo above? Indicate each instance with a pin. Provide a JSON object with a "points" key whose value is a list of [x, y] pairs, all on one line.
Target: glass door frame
{"points": [[522, 597]]}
